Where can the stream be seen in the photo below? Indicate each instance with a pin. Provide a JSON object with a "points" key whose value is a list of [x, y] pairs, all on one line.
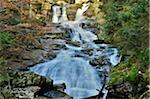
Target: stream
{"points": [[73, 64]]}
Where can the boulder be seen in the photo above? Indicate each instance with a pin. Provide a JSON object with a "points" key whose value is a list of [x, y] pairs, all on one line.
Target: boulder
{"points": [[99, 61], [23, 79], [57, 95]]}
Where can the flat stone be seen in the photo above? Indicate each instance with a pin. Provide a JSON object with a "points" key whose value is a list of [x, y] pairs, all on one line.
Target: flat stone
{"points": [[57, 95]]}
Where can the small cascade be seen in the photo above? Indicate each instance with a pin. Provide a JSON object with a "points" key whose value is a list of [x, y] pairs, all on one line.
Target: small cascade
{"points": [[72, 65], [64, 17], [80, 11], [56, 14]]}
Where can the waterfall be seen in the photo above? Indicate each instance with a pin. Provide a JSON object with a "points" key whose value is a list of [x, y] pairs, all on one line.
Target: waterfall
{"points": [[56, 14], [64, 14], [72, 66], [81, 10]]}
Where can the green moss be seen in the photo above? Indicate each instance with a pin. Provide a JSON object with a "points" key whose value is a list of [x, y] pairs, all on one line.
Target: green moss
{"points": [[132, 74], [3, 71], [119, 73], [3, 77], [116, 77], [146, 76]]}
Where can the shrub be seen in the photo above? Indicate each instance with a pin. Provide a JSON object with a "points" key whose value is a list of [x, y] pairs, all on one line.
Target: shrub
{"points": [[6, 39], [126, 26]]}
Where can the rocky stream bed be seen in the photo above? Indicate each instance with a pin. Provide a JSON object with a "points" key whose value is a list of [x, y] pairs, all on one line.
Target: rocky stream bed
{"points": [[32, 50], [39, 43]]}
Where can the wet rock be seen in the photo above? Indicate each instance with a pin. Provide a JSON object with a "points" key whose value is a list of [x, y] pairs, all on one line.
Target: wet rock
{"points": [[60, 87], [99, 42], [88, 51], [99, 61], [125, 57], [50, 55], [88, 23], [57, 95], [56, 31], [51, 44], [73, 43]]}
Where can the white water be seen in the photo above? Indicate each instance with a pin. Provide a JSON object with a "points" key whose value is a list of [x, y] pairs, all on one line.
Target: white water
{"points": [[56, 14], [64, 17], [81, 10], [79, 34], [81, 79]]}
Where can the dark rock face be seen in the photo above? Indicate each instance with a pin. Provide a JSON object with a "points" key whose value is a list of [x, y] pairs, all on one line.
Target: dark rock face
{"points": [[57, 95], [99, 61], [129, 90], [123, 91], [34, 44], [74, 43], [23, 79], [19, 58], [99, 42], [25, 84]]}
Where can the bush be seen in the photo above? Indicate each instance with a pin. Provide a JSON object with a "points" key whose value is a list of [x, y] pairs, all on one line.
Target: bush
{"points": [[126, 26], [6, 39]]}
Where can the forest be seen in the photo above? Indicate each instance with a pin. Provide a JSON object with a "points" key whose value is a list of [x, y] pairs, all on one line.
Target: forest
{"points": [[74, 49]]}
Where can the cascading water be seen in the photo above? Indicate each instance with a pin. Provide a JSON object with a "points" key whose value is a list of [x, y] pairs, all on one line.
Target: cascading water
{"points": [[56, 14], [81, 10], [64, 17], [72, 65]]}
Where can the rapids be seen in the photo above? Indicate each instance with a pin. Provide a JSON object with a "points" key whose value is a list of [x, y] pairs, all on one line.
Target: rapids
{"points": [[72, 66]]}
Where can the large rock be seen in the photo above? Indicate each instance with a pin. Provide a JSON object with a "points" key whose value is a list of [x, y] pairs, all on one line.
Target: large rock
{"points": [[24, 85], [25, 93], [57, 95], [99, 61], [123, 90], [23, 79]]}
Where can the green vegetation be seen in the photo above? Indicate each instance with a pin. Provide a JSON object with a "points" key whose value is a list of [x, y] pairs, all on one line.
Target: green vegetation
{"points": [[6, 39], [126, 27]]}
